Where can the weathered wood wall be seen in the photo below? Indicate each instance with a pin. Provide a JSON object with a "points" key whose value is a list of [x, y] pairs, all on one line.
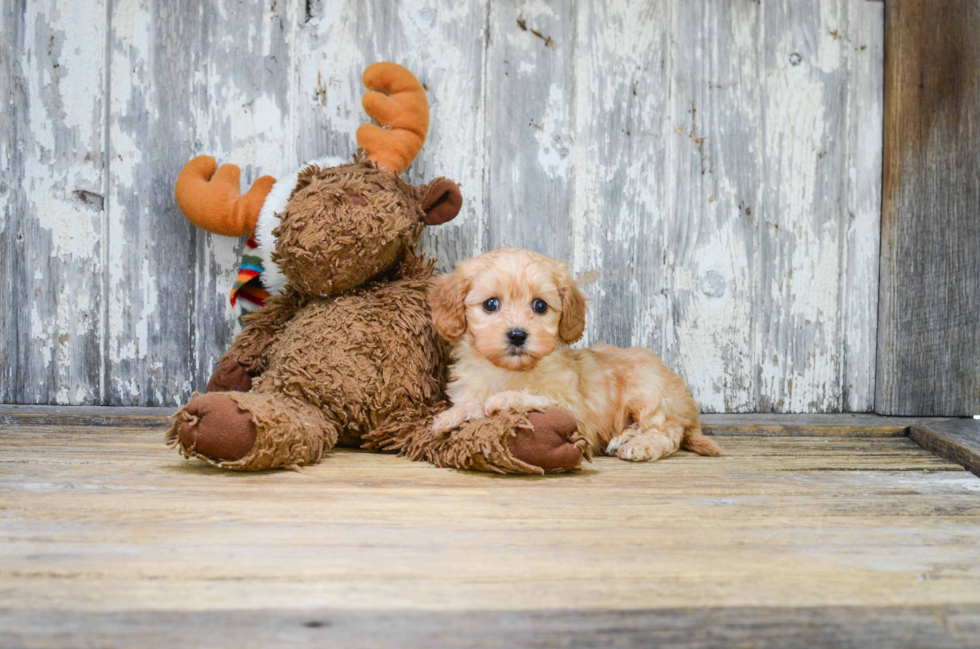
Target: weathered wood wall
{"points": [[929, 342], [711, 170]]}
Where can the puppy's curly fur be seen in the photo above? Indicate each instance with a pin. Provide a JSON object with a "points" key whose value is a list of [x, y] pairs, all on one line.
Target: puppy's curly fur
{"points": [[511, 316]]}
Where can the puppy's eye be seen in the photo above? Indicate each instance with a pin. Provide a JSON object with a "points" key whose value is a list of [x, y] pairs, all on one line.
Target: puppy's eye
{"points": [[491, 305], [539, 306]]}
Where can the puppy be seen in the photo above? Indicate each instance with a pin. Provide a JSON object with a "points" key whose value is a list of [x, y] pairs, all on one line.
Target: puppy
{"points": [[511, 315]]}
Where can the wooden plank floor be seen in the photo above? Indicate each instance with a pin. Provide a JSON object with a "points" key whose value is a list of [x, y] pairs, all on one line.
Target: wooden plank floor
{"points": [[107, 538]]}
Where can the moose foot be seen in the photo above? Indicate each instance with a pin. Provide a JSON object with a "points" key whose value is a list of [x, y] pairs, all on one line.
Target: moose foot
{"points": [[217, 428], [547, 443]]}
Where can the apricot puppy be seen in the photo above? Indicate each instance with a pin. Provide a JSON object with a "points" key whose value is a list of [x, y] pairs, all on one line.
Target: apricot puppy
{"points": [[511, 315]]}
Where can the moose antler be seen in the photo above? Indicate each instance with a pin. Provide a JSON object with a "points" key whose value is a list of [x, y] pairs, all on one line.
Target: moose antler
{"points": [[213, 201], [395, 100]]}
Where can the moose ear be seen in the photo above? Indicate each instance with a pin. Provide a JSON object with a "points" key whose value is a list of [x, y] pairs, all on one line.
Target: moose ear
{"points": [[442, 202]]}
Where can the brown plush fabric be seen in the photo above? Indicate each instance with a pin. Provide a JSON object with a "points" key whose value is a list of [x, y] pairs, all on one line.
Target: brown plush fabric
{"points": [[288, 433], [481, 445], [217, 427], [230, 376], [327, 244], [348, 348], [442, 202], [362, 356], [250, 349], [547, 442]]}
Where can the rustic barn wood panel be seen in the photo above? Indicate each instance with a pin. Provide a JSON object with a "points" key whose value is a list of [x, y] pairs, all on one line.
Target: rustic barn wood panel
{"points": [[929, 342], [710, 171], [52, 177], [768, 249]]}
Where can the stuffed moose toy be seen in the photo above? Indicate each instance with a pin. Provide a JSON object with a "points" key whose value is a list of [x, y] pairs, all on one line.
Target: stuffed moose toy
{"points": [[340, 347]]}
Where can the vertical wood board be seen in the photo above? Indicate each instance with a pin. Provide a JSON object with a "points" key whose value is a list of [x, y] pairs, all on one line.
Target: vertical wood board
{"points": [[52, 196], [530, 128], [766, 252], [623, 180], [862, 166], [929, 307]]}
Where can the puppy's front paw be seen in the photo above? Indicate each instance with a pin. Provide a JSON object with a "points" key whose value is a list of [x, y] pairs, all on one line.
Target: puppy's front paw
{"points": [[456, 417], [641, 448], [446, 421], [617, 442], [514, 400]]}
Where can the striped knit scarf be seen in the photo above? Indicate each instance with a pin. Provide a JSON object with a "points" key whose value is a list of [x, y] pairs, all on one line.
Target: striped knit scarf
{"points": [[249, 293]]}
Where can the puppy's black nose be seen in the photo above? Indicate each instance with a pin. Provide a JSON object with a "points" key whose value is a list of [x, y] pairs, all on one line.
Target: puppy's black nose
{"points": [[517, 337]]}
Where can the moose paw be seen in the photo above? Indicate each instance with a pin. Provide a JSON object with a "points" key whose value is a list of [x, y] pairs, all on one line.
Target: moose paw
{"points": [[546, 444], [218, 429], [230, 376]]}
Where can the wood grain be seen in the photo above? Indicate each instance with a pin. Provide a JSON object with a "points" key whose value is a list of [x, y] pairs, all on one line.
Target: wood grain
{"points": [[622, 160], [107, 520], [855, 425], [709, 253], [52, 198], [764, 257], [862, 225], [8, 236], [957, 440], [631, 139], [929, 307], [530, 129], [131, 417], [936, 627]]}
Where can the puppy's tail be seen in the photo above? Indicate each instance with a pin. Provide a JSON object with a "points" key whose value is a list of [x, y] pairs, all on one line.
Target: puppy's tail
{"points": [[696, 442]]}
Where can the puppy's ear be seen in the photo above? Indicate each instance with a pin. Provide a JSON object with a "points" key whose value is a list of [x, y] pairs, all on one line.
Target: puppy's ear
{"points": [[572, 323], [446, 296]]}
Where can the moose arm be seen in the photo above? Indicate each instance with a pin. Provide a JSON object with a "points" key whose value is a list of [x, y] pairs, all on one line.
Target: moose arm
{"points": [[251, 347]]}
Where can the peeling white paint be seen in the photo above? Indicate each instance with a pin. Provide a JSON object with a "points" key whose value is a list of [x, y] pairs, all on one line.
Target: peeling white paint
{"points": [[554, 147], [57, 63]]}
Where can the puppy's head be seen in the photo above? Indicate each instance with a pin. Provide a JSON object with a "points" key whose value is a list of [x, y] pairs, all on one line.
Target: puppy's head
{"points": [[513, 307]]}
